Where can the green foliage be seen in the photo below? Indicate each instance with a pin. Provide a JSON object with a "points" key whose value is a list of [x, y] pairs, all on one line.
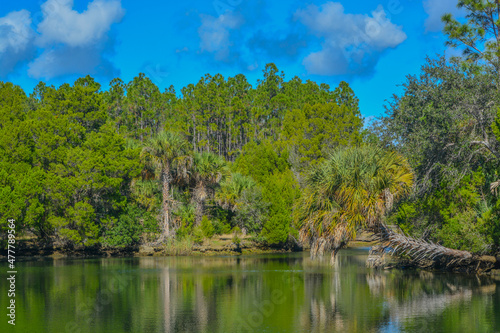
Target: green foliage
{"points": [[221, 220], [236, 235], [198, 236], [496, 125], [478, 34], [492, 219], [83, 167], [129, 227], [463, 227], [261, 160], [208, 171], [465, 231], [315, 130], [221, 227], [280, 190], [185, 216], [165, 159], [405, 213], [207, 227], [449, 136], [349, 190]]}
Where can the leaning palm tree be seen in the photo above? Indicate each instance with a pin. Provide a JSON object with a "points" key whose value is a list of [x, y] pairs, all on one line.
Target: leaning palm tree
{"points": [[352, 189], [208, 171], [165, 156], [349, 190]]}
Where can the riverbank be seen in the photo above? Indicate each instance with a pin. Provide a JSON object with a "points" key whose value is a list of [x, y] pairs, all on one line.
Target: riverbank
{"points": [[218, 245], [227, 245]]}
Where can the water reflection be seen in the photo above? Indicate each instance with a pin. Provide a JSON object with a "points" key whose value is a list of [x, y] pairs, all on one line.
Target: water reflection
{"points": [[280, 293]]}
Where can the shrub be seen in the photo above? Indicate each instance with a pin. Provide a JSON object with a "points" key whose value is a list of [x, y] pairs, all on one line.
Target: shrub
{"points": [[465, 232], [127, 229], [198, 236], [221, 227], [207, 227], [236, 233], [186, 215]]}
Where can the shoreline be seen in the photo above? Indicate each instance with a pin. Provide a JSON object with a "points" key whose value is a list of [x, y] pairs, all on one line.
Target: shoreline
{"points": [[220, 245], [223, 246], [30, 249]]}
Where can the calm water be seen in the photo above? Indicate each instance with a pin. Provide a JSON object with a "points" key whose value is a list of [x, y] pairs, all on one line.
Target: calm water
{"points": [[278, 293]]}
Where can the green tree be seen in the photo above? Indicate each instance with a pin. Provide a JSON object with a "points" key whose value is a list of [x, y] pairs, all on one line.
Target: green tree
{"points": [[242, 198], [280, 191], [315, 130], [231, 190], [270, 168], [480, 35], [144, 104], [208, 171], [349, 190], [443, 124], [166, 157]]}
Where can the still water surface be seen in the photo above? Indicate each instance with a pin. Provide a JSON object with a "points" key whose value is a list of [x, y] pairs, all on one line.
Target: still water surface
{"points": [[267, 293]]}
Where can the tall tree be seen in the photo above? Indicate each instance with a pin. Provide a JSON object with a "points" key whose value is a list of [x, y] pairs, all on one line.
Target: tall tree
{"points": [[144, 107], [480, 35], [442, 124], [165, 155]]}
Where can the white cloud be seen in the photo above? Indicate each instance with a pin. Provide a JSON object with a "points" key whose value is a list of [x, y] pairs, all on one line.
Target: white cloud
{"points": [[73, 42], [16, 40], [352, 43], [436, 8], [62, 24], [215, 34], [60, 61]]}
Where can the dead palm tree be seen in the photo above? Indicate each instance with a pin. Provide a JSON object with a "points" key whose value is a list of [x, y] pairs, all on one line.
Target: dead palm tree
{"points": [[165, 156]]}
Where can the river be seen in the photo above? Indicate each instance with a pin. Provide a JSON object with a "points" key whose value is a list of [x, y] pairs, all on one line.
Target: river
{"points": [[264, 293]]}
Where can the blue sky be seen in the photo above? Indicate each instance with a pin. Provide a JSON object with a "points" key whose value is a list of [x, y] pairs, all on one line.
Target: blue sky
{"points": [[372, 45]]}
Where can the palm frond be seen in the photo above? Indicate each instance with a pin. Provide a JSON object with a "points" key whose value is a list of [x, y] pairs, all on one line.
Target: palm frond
{"points": [[352, 188]]}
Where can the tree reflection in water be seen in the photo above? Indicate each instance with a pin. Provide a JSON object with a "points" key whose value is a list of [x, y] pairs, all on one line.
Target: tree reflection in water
{"points": [[278, 293]]}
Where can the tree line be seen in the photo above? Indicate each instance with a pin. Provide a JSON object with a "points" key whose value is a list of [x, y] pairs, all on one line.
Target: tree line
{"points": [[284, 161], [83, 166]]}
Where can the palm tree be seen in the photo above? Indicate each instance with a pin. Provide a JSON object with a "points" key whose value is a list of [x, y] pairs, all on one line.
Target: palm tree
{"points": [[350, 189], [208, 171], [494, 187], [353, 188], [232, 189], [166, 157], [145, 192]]}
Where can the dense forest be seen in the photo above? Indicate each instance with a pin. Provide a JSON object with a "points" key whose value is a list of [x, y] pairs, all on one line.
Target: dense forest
{"points": [[285, 161], [131, 164]]}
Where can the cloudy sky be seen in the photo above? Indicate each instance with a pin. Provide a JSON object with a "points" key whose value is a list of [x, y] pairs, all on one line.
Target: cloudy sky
{"points": [[370, 44]]}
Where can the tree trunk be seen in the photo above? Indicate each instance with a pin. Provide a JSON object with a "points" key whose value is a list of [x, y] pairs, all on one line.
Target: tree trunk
{"points": [[199, 201], [421, 253], [165, 232]]}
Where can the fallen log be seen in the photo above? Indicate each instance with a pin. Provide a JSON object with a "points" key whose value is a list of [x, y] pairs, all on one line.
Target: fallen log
{"points": [[425, 254]]}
